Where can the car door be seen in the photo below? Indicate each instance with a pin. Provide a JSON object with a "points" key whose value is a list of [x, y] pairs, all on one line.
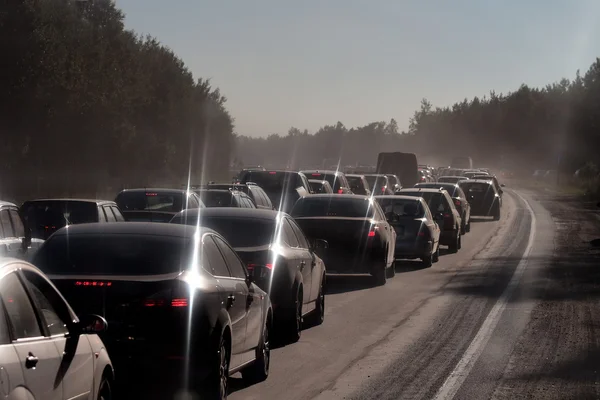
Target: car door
{"points": [[386, 231], [37, 354], [11, 374], [301, 260], [233, 298], [75, 351], [315, 271], [11, 244], [253, 298]]}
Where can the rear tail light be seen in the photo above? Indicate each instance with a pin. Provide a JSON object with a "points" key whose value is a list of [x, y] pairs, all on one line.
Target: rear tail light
{"points": [[457, 203], [252, 266], [422, 234], [340, 191], [372, 231], [272, 173], [371, 234], [93, 283], [180, 302]]}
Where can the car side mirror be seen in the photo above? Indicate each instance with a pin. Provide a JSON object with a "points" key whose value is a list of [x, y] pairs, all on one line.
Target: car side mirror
{"points": [[91, 323]]}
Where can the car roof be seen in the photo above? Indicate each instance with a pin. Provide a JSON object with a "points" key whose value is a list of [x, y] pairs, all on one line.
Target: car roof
{"points": [[7, 204], [421, 190], [135, 190], [397, 196], [130, 228], [355, 175], [336, 196], [96, 201], [237, 212]]}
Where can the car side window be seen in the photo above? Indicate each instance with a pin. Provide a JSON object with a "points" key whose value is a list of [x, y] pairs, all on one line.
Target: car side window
{"points": [[256, 196], [6, 225], [18, 308], [4, 332], [110, 217], [192, 202], [49, 302], [303, 243], [212, 260], [102, 215], [17, 223], [118, 214], [233, 261], [292, 240]]}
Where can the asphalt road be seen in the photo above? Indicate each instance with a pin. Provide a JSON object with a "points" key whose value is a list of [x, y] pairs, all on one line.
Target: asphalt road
{"points": [[514, 314]]}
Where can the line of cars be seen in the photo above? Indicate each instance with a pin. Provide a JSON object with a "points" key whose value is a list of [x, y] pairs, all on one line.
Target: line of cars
{"points": [[204, 281]]}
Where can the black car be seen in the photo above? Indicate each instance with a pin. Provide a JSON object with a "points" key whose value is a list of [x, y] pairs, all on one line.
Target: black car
{"points": [[444, 213], [273, 246], [256, 193], [492, 178], [452, 179], [45, 216], [460, 201], [225, 198], [155, 205], [175, 298], [282, 187], [379, 184], [336, 179], [483, 197], [417, 234], [358, 184], [319, 186], [359, 237]]}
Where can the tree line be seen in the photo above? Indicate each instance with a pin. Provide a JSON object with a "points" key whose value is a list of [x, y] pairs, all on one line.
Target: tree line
{"points": [[86, 104], [554, 127]]}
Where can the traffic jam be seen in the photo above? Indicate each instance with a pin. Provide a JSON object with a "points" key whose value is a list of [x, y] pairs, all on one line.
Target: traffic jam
{"points": [[202, 282]]}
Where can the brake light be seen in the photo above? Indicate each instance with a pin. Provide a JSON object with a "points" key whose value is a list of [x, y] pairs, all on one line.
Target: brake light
{"points": [[151, 194], [93, 283], [272, 173], [421, 233], [371, 234], [383, 188], [316, 174], [457, 202], [252, 266], [154, 302], [182, 302], [340, 191]]}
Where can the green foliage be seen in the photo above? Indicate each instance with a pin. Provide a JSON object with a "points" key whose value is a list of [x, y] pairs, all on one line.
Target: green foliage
{"points": [[82, 96]]}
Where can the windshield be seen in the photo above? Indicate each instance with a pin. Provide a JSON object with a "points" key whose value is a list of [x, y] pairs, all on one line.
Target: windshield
{"points": [[333, 207], [150, 201], [112, 254]]}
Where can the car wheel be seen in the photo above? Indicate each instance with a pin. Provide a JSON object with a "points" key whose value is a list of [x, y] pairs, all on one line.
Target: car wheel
{"points": [[427, 261], [454, 246], [259, 370], [436, 255], [380, 275], [216, 385], [105, 390], [391, 271], [318, 316], [468, 227], [294, 323]]}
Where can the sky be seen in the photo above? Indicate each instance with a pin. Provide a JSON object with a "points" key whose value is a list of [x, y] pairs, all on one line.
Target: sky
{"points": [[309, 63]]}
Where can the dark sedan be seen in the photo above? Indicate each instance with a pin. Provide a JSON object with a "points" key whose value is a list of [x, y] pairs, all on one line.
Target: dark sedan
{"points": [[483, 197], [460, 201], [273, 246], [444, 213], [176, 299], [155, 205], [225, 198], [379, 184], [417, 234], [359, 237]]}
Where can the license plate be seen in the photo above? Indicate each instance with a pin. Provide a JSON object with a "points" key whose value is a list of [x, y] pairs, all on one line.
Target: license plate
{"points": [[399, 230]]}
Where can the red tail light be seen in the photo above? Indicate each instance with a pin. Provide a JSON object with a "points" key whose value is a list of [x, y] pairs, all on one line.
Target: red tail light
{"points": [[421, 233], [252, 266], [340, 191], [272, 173], [316, 174], [457, 203], [181, 302]]}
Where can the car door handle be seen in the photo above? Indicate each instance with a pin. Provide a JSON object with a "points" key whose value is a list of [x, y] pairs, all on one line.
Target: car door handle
{"points": [[31, 361]]}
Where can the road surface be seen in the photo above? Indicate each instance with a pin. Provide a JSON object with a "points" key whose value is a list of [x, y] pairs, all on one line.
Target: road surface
{"points": [[514, 314]]}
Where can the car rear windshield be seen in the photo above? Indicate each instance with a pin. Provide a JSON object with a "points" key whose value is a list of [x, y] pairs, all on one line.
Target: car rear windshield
{"points": [[150, 201], [402, 207], [217, 198], [113, 254], [333, 207], [317, 187], [42, 216], [239, 232], [225, 186], [376, 183], [436, 201], [272, 181], [336, 182], [477, 187], [355, 181], [451, 189]]}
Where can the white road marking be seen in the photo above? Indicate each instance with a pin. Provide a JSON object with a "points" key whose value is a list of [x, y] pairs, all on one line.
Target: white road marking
{"points": [[466, 363]]}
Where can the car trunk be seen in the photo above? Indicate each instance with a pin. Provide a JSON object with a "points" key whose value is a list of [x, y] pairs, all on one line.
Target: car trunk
{"points": [[407, 229]]}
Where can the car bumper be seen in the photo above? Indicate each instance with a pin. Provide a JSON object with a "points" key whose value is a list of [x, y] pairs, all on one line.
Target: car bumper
{"points": [[410, 250]]}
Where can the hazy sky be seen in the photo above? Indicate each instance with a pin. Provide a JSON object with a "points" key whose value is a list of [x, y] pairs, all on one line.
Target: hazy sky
{"points": [[308, 63]]}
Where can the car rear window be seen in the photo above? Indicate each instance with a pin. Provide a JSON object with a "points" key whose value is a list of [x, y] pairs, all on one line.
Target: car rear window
{"points": [[239, 232], [477, 187], [150, 201], [273, 181], [435, 201], [333, 207], [403, 208], [376, 183], [336, 182], [113, 254], [45, 217], [217, 198]]}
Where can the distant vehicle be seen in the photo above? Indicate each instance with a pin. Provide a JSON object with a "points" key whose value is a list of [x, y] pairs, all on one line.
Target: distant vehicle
{"points": [[15, 236], [46, 351], [225, 198], [423, 177], [451, 179], [336, 179], [46, 216], [256, 193], [319, 186], [278, 254], [417, 234], [284, 188], [444, 213], [462, 162], [169, 293], [359, 237], [471, 174], [379, 184], [483, 197], [404, 165], [493, 178], [460, 201], [155, 205], [394, 182], [539, 174], [359, 184]]}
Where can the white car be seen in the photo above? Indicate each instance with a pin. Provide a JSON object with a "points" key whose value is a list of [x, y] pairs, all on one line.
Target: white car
{"points": [[46, 352]]}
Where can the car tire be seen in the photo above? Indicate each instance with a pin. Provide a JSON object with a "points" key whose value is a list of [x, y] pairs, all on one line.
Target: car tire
{"points": [[436, 255], [318, 316], [259, 370], [427, 261], [293, 329], [468, 226], [459, 245], [391, 271], [380, 275], [454, 246], [216, 385], [497, 214], [105, 390]]}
